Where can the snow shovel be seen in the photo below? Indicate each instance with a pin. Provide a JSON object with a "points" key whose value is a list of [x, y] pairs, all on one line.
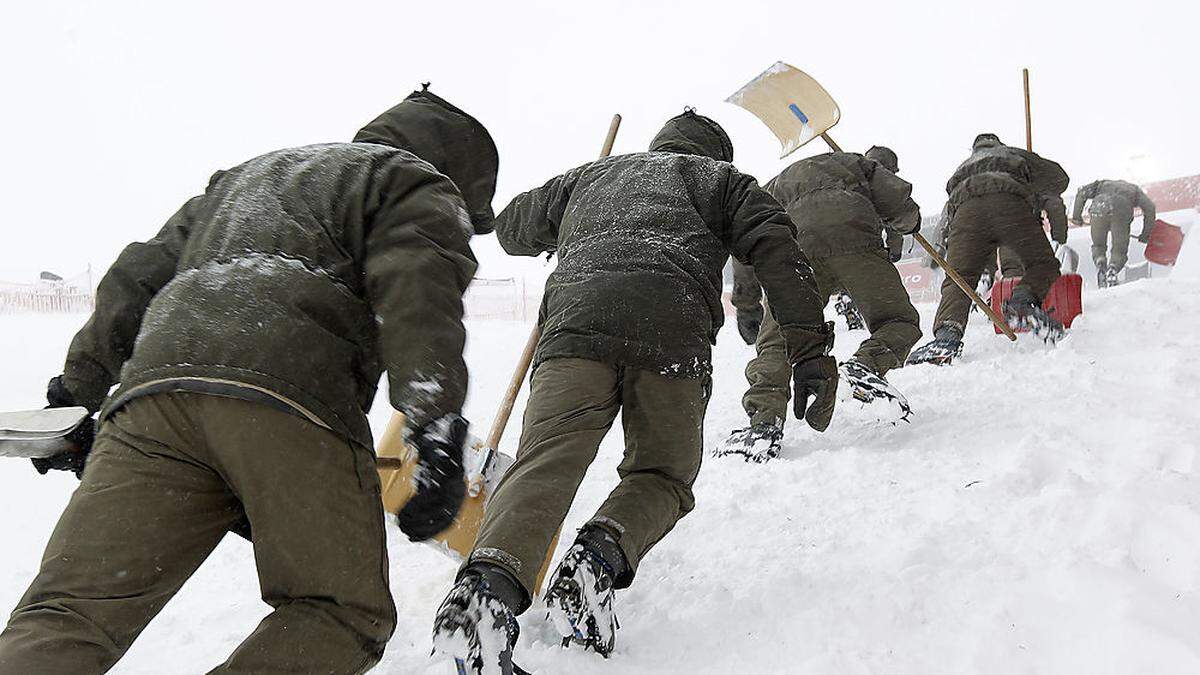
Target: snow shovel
{"points": [[34, 434], [797, 109], [484, 464], [1068, 259]]}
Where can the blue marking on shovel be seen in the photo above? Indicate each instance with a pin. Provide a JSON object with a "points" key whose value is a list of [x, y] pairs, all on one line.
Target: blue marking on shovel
{"points": [[796, 111]]}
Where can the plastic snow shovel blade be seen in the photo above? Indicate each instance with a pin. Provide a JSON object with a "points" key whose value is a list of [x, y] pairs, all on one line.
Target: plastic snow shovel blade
{"points": [[39, 433], [483, 467], [794, 106]]}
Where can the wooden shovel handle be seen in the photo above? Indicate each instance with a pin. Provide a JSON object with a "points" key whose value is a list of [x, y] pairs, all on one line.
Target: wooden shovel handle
{"points": [[958, 280], [518, 377]]}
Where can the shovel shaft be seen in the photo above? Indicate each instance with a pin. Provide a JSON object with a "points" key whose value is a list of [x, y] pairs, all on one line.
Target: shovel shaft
{"points": [[500, 421], [514, 385], [1028, 112], [958, 281]]}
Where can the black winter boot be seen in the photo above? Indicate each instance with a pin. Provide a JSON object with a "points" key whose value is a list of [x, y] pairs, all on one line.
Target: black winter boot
{"points": [[756, 443], [477, 624], [942, 350], [1023, 310], [580, 597]]}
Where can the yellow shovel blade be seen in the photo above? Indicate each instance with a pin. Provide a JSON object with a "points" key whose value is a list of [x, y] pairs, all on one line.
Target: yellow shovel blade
{"points": [[484, 469], [792, 104]]}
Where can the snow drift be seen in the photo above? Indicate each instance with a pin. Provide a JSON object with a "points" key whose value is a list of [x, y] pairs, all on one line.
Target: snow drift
{"points": [[1041, 513]]}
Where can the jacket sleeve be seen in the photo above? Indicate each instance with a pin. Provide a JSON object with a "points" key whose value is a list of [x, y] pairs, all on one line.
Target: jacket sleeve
{"points": [[1056, 213], [747, 294], [894, 242], [760, 233], [418, 263], [106, 341], [1049, 181], [892, 197], [529, 224], [1148, 211], [1081, 198]]}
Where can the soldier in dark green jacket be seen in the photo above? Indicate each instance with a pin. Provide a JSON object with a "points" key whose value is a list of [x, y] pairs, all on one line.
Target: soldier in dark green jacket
{"points": [[247, 339], [996, 200], [1111, 212], [841, 203], [628, 320]]}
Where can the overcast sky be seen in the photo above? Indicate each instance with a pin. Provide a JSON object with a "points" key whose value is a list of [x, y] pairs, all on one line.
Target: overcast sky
{"points": [[115, 112]]}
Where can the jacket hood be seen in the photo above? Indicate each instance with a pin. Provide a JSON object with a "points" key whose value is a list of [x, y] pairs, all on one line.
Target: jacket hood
{"points": [[986, 141], [455, 143], [885, 156], [692, 134]]}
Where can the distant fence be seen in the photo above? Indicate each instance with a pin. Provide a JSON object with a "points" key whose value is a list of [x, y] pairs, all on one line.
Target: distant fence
{"points": [[20, 301], [494, 299], [502, 299], [49, 295]]}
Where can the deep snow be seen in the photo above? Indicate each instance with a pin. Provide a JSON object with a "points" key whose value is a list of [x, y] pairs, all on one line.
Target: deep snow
{"points": [[1041, 513]]}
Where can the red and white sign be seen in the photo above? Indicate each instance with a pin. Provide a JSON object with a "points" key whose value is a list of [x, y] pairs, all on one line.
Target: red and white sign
{"points": [[923, 284]]}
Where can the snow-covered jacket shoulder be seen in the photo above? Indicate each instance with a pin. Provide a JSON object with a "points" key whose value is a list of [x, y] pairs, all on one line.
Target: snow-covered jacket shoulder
{"points": [[840, 201], [301, 274], [642, 240]]}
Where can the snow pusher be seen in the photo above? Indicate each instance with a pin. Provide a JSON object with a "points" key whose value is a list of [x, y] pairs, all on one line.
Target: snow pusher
{"points": [[34, 434], [1063, 302]]}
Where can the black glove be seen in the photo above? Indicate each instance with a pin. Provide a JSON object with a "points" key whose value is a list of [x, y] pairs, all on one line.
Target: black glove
{"points": [[816, 377], [1144, 237], [441, 485], [895, 256], [58, 396], [748, 323]]}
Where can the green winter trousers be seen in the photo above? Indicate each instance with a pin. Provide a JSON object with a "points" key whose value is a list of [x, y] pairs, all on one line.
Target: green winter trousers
{"points": [[871, 280], [979, 226], [168, 476], [1009, 264], [1104, 224], [572, 404]]}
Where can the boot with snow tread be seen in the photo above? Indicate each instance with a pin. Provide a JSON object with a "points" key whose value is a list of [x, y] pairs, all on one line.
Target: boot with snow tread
{"points": [[757, 443], [580, 600], [1023, 311], [871, 388], [941, 351], [845, 306], [476, 629]]}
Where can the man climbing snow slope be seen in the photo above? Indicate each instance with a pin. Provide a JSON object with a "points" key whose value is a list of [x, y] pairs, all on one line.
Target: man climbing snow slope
{"points": [[248, 338], [840, 202], [997, 197], [1111, 212], [628, 321]]}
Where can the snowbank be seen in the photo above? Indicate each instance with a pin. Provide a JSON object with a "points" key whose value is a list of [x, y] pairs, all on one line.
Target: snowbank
{"points": [[1040, 514], [1187, 265]]}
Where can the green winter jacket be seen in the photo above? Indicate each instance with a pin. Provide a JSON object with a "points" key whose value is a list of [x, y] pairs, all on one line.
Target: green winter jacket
{"points": [[1005, 169], [298, 277], [641, 242], [1116, 199], [841, 203]]}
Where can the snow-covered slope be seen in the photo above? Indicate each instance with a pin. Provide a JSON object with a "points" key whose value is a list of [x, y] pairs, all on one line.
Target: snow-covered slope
{"points": [[1041, 513]]}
